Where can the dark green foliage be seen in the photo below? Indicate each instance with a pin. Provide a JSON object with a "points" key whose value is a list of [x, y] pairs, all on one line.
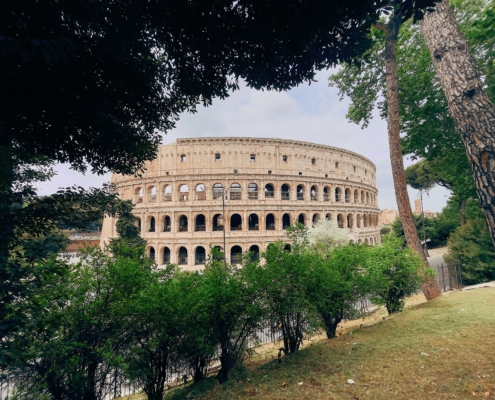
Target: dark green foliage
{"points": [[396, 273], [40, 248], [127, 229], [472, 247], [385, 231]]}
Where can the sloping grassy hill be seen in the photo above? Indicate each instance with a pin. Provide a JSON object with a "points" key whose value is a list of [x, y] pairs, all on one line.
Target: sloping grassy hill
{"points": [[442, 349]]}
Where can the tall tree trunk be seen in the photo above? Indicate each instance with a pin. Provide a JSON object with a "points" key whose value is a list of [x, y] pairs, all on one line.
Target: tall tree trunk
{"points": [[430, 287], [469, 104]]}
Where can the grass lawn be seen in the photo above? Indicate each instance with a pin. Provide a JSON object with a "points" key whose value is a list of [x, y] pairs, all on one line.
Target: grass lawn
{"points": [[442, 349]]}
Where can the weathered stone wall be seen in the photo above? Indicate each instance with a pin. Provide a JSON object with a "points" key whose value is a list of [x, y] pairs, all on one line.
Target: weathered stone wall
{"points": [[268, 182]]}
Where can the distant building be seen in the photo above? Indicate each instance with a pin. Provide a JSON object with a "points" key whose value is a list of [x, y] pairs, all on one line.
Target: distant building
{"points": [[417, 210], [388, 216]]}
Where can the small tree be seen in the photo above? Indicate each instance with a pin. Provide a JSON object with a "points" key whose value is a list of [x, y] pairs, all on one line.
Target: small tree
{"points": [[327, 234]]}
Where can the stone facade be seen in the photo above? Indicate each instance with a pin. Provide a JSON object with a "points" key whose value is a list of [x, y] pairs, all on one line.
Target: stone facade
{"points": [[388, 216], [268, 184]]}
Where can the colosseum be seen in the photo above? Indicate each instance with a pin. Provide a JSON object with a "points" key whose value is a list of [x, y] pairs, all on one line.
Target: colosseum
{"points": [[248, 190]]}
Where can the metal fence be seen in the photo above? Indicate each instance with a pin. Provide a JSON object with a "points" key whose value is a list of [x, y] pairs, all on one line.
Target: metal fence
{"points": [[448, 276]]}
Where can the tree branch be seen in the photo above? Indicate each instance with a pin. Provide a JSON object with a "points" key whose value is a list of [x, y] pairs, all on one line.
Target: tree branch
{"points": [[380, 25]]}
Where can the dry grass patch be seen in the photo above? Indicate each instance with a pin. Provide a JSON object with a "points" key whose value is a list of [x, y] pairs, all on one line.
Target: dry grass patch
{"points": [[436, 350]]}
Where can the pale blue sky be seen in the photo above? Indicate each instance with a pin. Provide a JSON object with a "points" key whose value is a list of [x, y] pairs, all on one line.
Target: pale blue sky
{"points": [[309, 112]]}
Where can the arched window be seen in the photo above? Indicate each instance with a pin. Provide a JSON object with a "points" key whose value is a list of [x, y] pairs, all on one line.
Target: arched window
{"points": [[316, 218], [152, 194], [184, 192], [152, 253], [314, 193], [348, 195], [269, 191], [356, 196], [300, 192], [200, 223], [217, 252], [340, 220], [217, 191], [287, 247], [200, 192], [252, 191], [235, 192], [367, 198], [285, 192], [350, 221], [167, 193], [300, 219], [329, 217], [151, 224], [326, 193], [366, 241], [235, 254], [182, 256], [182, 223], [270, 222], [167, 224], [138, 195], [138, 223], [255, 252], [253, 222], [362, 196], [358, 221], [218, 222], [365, 220], [200, 256], [235, 222], [166, 255], [338, 194], [285, 221]]}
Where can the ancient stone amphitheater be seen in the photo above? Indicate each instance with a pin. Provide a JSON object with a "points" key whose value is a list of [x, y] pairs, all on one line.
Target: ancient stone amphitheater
{"points": [[249, 190]]}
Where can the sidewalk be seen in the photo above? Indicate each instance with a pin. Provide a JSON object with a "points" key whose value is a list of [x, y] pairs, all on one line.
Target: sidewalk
{"points": [[480, 285]]}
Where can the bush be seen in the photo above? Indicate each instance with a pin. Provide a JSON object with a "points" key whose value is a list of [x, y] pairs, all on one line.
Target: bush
{"points": [[472, 247]]}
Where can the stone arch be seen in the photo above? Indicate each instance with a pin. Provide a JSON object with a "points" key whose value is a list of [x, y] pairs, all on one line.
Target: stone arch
{"points": [[200, 192], [365, 220], [316, 218], [183, 192], [167, 224], [285, 192], [301, 219], [166, 255], [217, 222], [269, 191], [152, 194], [287, 247], [270, 222], [138, 195], [340, 220], [199, 255], [253, 222], [253, 191], [350, 221], [235, 254], [338, 194], [235, 222], [329, 216], [300, 192], [362, 196], [217, 191], [183, 223], [167, 193], [200, 223], [314, 193], [137, 223], [326, 193], [358, 221], [285, 221], [366, 241], [348, 195], [255, 252], [356, 196], [151, 253], [367, 198], [182, 256], [235, 191], [151, 224]]}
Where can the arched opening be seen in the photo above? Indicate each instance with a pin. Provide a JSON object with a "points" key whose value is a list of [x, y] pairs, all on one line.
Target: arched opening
{"points": [[151, 227], [253, 222], [287, 247], [184, 192], [301, 219], [316, 218], [340, 220], [167, 193], [338, 194], [269, 191], [370, 222], [217, 252], [367, 198], [365, 220], [167, 225], [235, 192], [235, 222], [182, 223], [200, 192], [300, 192], [270, 222], [362, 196], [217, 191], [137, 223], [152, 253], [350, 221], [235, 254], [314, 193], [182, 256], [255, 252], [356, 196], [200, 256], [138, 195], [285, 221], [326, 193], [166, 255], [366, 241], [358, 221], [200, 225], [348, 195], [285, 192], [218, 222], [253, 191], [329, 217], [152, 194]]}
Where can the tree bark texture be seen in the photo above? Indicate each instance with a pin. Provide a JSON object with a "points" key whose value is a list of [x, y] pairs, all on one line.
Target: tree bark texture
{"points": [[430, 287], [469, 103]]}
